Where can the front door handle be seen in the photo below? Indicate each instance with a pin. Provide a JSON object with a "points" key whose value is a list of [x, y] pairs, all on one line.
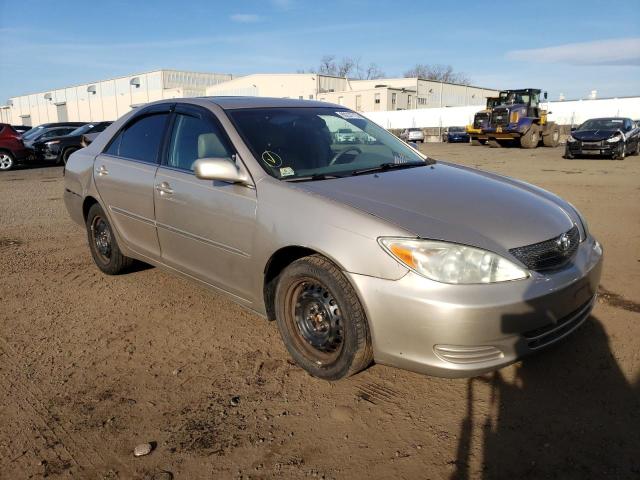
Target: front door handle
{"points": [[102, 171], [164, 188]]}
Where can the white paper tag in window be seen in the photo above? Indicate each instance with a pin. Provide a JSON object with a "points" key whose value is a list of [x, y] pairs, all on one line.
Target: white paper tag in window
{"points": [[349, 115], [286, 172]]}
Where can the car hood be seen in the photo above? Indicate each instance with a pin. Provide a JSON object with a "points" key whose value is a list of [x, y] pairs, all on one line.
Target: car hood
{"points": [[593, 135], [453, 203]]}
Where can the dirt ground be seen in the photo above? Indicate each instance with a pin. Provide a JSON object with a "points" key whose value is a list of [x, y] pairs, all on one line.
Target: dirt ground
{"points": [[91, 365]]}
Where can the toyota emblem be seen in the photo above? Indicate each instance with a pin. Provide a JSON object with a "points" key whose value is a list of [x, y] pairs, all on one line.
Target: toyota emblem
{"points": [[564, 243]]}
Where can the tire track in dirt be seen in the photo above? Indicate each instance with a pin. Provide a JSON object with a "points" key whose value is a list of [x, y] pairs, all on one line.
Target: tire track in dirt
{"points": [[69, 449]]}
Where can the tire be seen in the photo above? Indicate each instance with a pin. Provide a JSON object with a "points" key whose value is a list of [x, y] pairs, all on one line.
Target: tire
{"points": [[475, 142], [7, 162], [637, 150], [103, 244], [551, 137], [64, 158], [531, 138], [321, 320], [567, 154], [621, 153]]}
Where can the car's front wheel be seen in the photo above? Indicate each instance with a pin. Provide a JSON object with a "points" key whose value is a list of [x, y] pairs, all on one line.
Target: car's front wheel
{"points": [[6, 161], [103, 244], [621, 153], [321, 320]]}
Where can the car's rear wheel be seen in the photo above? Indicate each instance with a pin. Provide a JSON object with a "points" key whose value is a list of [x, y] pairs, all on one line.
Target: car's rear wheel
{"points": [[66, 154], [321, 320], [531, 138], [103, 244], [6, 161]]}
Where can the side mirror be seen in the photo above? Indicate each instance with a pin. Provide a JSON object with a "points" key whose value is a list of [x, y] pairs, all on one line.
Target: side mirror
{"points": [[222, 169]]}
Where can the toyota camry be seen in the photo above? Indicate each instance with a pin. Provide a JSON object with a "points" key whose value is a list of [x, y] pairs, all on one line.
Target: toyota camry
{"points": [[361, 253]]}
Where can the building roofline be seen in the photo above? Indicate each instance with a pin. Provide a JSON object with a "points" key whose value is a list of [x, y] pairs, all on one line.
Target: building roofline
{"points": [[119, 77]]}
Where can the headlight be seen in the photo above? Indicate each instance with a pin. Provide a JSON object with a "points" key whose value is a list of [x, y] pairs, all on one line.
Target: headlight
{"points": [[615, 139], [52, 142], [451, 263], [570, 139]]}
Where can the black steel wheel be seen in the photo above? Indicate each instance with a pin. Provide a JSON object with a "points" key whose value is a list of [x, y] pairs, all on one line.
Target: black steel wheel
{"points": [[103, 244], [321, 320]]}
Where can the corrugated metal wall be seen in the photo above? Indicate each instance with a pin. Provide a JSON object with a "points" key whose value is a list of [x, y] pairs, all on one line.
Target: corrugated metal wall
{"points": [[563, 113]]}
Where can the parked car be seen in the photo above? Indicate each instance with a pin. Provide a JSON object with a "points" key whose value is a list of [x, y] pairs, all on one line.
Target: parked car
{"points": [[346, 135], [41, 133], [12, 148], [35, 131], [360, 253], [21, 129], [58, 149], [613, 137], [456, 135], [412, 135]]}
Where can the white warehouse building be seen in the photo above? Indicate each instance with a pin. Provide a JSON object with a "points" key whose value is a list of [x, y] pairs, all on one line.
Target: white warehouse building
{"points": [[106, 99], [361, 95]]}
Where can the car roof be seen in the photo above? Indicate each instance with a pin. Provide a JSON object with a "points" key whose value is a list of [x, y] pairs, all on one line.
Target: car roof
{"points": [[233, 103]]}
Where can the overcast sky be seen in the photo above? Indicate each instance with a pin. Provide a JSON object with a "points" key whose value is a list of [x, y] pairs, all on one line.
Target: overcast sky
{"points": [[569, 47]]}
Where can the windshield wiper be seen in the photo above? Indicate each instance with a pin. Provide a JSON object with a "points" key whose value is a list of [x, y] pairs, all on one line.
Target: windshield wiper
{"points": [[314, 177], [383, 167]]}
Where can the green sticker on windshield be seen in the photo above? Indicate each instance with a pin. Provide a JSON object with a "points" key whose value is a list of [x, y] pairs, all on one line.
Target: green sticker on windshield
{"points": [[271, 158]]}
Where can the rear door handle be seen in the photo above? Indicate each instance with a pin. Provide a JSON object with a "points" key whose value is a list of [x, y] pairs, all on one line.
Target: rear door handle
{"points": [[102, 170], [164, 188]]}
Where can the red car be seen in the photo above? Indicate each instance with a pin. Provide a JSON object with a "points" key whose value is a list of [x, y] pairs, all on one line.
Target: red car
{"points": [[12, 148]]}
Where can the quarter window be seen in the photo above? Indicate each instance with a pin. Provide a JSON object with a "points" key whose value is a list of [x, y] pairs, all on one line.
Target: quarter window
{"points": [[194, 138], [141, 139]]}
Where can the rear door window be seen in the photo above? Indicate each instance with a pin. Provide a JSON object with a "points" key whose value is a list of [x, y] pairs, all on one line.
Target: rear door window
{"points": [[141, 139], [195, 137]]}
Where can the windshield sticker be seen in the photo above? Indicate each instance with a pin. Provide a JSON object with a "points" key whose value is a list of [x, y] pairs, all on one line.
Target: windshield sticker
{"points": [[272, 159], [616, 121], [349, 115], [286, 172]]}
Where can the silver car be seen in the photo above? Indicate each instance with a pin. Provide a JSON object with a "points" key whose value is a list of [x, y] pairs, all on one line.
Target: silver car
{"points": [[361, 253]]}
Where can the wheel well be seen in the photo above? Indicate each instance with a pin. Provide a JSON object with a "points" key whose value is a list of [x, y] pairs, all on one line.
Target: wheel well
{"points": [[86, 205], [276, 264]]}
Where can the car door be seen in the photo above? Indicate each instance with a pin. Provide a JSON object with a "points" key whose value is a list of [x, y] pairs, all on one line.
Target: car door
{"points": [[124, 176], [205, 227]]}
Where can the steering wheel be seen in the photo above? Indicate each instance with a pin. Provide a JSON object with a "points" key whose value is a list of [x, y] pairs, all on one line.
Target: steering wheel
{"points": [[339, 154]]}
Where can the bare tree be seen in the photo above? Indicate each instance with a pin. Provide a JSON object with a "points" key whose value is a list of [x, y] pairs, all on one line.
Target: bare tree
{"points": [[438, 72], [372, 72], [327, 65], [346, 67]]}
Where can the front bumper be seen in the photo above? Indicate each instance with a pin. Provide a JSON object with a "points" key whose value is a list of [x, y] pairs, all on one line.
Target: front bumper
{"points": [[466, 330], [602, 148]]}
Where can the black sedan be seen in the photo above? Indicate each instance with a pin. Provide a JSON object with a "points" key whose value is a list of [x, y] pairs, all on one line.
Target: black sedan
{"points": [[613, 137], [58, 149], [456, 135]]}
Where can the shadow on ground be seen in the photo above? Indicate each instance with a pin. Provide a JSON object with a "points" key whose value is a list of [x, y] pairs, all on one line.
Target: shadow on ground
{"points": [[569, 413]]}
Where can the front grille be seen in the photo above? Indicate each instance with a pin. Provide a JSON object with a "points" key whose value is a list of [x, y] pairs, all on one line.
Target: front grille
{"points": [[468, 354], [550, 254], [543, 336], [500, 117], [592, 145], [481, 120]]}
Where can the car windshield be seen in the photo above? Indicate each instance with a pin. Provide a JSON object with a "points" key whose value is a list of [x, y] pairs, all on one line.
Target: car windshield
{"points": [[456, 129], [603, 124], [82, 130], [310, 142], [34, 132]]}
